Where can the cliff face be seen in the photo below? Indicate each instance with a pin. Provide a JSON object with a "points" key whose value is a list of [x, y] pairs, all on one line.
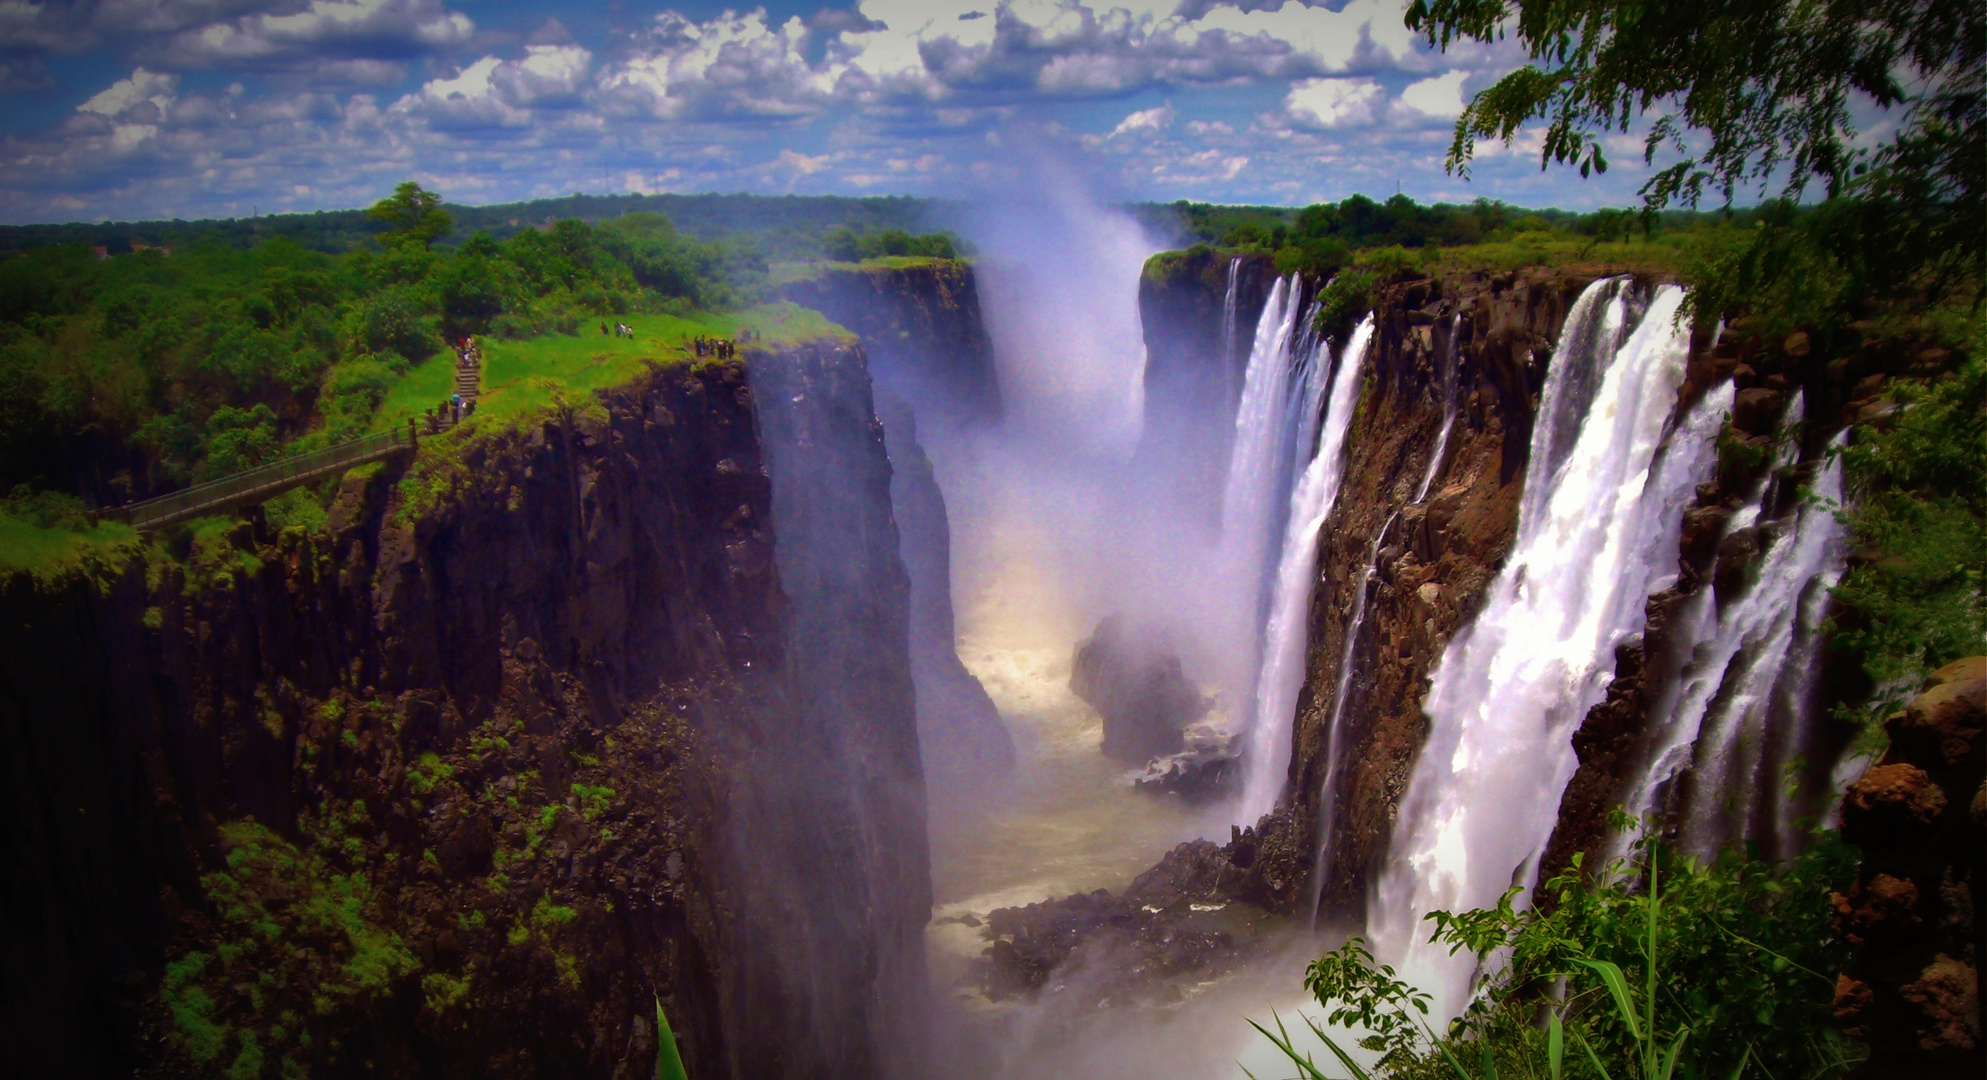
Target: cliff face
{"points": [[1431, 560], [921, 326], [1196, 353], [964, 740], [933, 364], [564, 718]]}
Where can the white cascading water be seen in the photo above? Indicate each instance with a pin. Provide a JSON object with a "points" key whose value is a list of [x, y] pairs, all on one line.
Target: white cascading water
{"points": [[1739, 701], [1595, 531], [1228, 373], [1256, 496], [1449, 408], [1280, 674]]}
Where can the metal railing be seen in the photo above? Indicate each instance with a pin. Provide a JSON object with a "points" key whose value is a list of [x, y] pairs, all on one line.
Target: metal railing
{"points": [[260, 483]]}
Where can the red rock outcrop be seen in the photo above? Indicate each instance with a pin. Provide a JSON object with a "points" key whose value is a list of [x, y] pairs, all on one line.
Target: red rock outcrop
{"points": [[1914, 917]]}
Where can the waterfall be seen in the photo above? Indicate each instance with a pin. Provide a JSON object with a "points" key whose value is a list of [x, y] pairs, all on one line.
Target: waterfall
{"points": [[1256, 494], [1735, 712], [1449, 407], [1228, 372], [1594, 531], [1280, 674]]}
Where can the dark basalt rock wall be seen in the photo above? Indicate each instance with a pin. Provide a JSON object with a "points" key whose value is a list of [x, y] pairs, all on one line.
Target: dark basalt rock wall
{"points": [[921, 327], [965, 741], [933, 364], [1195, 359], [614, 707]]}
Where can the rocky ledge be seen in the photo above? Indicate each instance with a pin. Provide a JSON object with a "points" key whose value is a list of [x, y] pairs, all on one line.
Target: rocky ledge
{"points": [[1180, 923]]}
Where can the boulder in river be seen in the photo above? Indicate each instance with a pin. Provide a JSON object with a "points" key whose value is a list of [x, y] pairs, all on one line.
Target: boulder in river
{"points": [[1140, 690]]}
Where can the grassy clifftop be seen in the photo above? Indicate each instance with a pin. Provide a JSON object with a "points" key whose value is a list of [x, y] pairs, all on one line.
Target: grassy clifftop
{"points": [[520, 377], [49, 538]]}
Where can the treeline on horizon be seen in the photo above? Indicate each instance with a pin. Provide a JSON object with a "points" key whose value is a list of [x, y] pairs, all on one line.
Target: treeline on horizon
{"points": [[811, 227], [782, 227], [1323, 238]]}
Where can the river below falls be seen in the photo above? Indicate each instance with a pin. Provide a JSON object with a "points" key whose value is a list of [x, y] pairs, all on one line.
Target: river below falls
{"points": [[1068, 820]]}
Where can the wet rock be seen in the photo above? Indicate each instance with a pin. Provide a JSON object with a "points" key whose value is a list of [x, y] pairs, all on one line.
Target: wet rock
{"points": [[1757, 410], [1177, 924], [1198, 775], [1893, 796], [1139, 689]]}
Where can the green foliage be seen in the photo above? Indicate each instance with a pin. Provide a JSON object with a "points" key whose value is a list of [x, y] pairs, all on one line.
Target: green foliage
{"points": [[412, 216], [1325, 240], [1652, 968], [593, 801], [124, 377], [1919, 512], [843, 244], [1354, 991], [299, 942], [1765, 84], [1352, 292], [1763, 88], [668, 1060]]}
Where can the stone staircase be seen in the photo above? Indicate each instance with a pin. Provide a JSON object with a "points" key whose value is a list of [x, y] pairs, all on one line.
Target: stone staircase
{"points": [[468, 380]]}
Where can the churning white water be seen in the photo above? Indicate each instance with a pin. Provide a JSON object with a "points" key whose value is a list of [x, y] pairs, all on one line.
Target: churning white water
{"points": [[1280, 663], [1594, 527], [1738, 706]]}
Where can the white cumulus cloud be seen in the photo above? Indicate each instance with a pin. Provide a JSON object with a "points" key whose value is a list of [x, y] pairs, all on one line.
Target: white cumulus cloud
{"points": [[1145, 120], [1333, 103], [1441, 95]]}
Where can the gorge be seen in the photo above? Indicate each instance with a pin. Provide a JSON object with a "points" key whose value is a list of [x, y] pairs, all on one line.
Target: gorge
{"points": [[755, 688]]}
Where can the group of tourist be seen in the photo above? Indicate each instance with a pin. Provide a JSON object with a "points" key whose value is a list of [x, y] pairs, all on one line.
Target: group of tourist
{"points": [[620, 330], [449, 413], [720, 348], [468, 359]]}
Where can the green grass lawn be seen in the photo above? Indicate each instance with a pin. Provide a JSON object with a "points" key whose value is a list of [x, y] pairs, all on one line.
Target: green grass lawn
{"points": [[520, 377]]}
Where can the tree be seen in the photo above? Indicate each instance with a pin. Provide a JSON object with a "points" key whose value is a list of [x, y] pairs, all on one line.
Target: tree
{"points": [[412, 215], [1768, 83]]}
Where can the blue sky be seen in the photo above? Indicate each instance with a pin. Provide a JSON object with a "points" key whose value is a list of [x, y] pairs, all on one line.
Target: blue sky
{"points": [[133, 109]]}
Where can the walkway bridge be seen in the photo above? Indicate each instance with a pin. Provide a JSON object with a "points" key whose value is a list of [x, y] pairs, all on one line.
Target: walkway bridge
{"points": [[264, 482]]}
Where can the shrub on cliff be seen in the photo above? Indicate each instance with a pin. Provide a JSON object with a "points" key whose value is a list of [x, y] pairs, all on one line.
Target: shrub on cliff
{"points": [[1733, 953], [1918, 599]]}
